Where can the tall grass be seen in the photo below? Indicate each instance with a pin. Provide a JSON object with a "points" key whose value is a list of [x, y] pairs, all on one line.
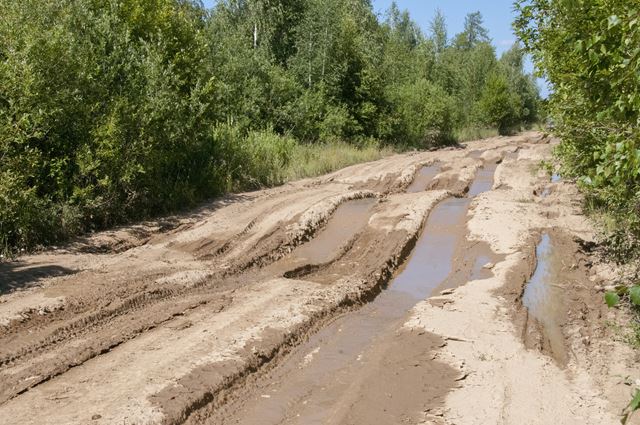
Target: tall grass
{"points": [[468, 134], [310, 160]]}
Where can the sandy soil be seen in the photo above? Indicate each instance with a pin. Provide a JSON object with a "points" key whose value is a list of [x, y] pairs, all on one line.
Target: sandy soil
{"points": [[287, 306]]}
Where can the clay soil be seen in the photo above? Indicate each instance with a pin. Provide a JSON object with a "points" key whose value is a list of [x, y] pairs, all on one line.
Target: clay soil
{"points": [[352, 298]]}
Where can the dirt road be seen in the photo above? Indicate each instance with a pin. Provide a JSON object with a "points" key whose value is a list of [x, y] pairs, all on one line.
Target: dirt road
{"points": [[448, 287]]}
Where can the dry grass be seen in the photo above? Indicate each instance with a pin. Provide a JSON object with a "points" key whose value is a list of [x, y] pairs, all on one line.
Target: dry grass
{"points": [[469, 134], [317, 159]]}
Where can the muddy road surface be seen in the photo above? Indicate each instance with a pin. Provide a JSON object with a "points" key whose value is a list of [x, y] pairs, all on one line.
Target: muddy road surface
{"points": [[447, 287]]}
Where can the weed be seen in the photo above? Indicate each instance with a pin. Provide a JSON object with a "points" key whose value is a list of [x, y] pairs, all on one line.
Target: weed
{"points": [[468, 134], [316, 159]]}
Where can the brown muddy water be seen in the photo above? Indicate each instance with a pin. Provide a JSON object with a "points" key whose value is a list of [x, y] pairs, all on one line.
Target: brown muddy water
{"points": [[484, 180], [347, 220], [423, 177], [543, 298], [323, 380], [476, 154]]}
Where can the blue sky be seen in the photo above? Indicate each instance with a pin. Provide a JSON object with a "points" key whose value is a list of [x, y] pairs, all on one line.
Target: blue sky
{"points": [[497, 14]]}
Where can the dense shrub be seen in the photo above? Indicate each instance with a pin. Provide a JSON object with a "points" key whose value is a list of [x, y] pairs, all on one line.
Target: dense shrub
{"points": [[422, 113], [104, 112], [499, 106], [590, 52]]}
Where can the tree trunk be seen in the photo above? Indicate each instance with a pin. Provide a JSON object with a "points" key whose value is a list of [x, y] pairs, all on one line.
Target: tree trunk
{"points": [[255, 35]]}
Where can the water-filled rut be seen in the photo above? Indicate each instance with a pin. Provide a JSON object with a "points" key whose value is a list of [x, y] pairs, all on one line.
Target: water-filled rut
{"points": [[348, 219], [543, 299], [423, 178], [338, 375]]}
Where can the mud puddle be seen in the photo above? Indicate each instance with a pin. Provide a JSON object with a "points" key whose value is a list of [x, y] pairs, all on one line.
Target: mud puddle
{"points": [[484, 180], [555, 178], [422, 179], [475, 154], [543, 299], [334, 376], [432, 258], [348, 219], [481, 267]]}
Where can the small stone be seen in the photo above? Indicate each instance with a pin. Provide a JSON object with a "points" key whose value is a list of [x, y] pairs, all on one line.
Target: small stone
{"points": [[447, 291], [488, 266], [96, 417]]}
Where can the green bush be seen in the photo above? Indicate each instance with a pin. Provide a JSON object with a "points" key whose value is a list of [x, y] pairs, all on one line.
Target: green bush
{"points": [[499, 105], [591, 56], [266, 158], [423, 114], [104, 113]]}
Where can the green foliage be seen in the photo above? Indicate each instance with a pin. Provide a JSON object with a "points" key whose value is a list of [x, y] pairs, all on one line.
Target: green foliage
{"points": [[423, 114], [589, 52], [265, 157], [438, 28], [498, 105], [114, 110], [468, 134], [474, 32], [612, 299], [632, 293], [634, 405], [310, 160]]}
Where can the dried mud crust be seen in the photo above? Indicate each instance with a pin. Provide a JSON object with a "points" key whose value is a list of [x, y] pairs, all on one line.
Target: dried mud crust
{"points": [[171, 328]]}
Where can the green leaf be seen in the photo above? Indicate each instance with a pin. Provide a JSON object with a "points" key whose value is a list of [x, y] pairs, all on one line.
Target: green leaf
{"points": [[578, 46], [635, 402], [634, 294], [612, 299]]}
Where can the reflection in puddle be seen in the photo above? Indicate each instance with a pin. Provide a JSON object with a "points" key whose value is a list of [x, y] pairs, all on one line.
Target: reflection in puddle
{"points": [[348, 219], [543, 298], [431, 260], [423, 178], [555, 178]]}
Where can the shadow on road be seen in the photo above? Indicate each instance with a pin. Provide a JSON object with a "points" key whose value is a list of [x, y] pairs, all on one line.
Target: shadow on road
{"points": [[16, 275]]}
